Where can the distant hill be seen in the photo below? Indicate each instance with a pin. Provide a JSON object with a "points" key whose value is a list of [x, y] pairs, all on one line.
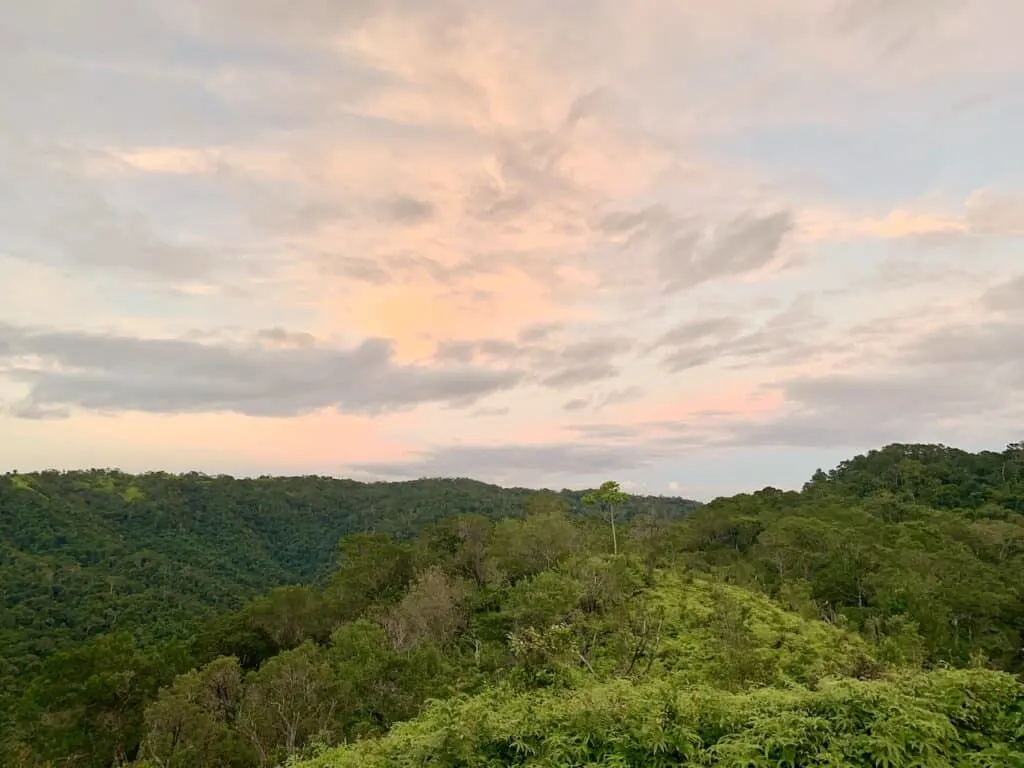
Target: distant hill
{"points": [[88, 552]]}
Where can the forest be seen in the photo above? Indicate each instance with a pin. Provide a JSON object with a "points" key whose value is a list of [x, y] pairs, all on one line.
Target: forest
{"points": [[873, 618]]}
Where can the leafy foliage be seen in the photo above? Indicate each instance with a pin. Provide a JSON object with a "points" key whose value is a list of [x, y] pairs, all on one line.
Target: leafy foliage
{"points": [[924, 720]]}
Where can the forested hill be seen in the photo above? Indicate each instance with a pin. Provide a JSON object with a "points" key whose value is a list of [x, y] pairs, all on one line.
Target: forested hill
{"points": [[876, 617], [82, 553], [935, 475]]}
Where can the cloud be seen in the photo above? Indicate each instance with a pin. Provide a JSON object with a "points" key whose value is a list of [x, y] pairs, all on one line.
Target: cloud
{"points": [[52, 215], [109, 374], [598, 400], [575, 375], [538, 332], [514, 463], [406, 210], [455, 351], [279, 373], [692, 331], [943, 383], [990, 212], [996, 212], [301, 23], [285, 338], [685, 252], [745, 244], [361, 269], [557, 365], [861, 411], [894, 25], [951, 380], [786, 338], [524, 174], [1006, 297]]}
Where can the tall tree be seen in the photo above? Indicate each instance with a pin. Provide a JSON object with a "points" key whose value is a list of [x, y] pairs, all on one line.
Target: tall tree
{"points": [[606, 499]]}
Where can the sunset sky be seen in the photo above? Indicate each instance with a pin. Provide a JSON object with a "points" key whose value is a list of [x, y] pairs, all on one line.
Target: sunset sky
{"points": [[697, 247]]}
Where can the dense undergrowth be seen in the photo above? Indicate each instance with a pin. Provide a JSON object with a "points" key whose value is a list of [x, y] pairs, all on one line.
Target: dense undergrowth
{"points": [[943, 718]]}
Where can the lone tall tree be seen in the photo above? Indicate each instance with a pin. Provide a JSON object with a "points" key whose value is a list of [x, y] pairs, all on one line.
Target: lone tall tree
{"points": [[606, 498]]}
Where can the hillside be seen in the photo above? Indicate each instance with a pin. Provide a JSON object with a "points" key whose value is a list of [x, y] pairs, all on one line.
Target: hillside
{"points": [[84, 553], [874, 618]]}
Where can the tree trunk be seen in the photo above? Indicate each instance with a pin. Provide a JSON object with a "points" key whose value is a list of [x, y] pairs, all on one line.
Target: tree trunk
{"points": [[615, 540]]}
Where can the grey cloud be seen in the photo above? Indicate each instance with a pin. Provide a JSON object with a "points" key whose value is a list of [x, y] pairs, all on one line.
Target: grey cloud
{"points": [[52, 215], [897, 397], [996, 213], [277, 214], [626, 395], [685, 252], [992, 346], [1006, 297], [946, 385], [116, 373], [685, 359], [397, 267], [947, 382], [603, 431], [892, 25], [31, 411], [785, 338], [585, 105], [489, 200], [653, 220], [303, 21], [602, 450], [513, 463], [499, 350], [943, 386], [600, 348], [285, 338], [691, 331], [860, 410], [128, 73], [359, 268], [502, 350], [614, 397], [455, 351], [403, 209], [529, 174], [745, 244], [538, 332], [552, 365], [585, 373], [313, 215]]}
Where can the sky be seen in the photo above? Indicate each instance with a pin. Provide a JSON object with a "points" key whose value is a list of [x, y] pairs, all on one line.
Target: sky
{"points": [[698, 248]]}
